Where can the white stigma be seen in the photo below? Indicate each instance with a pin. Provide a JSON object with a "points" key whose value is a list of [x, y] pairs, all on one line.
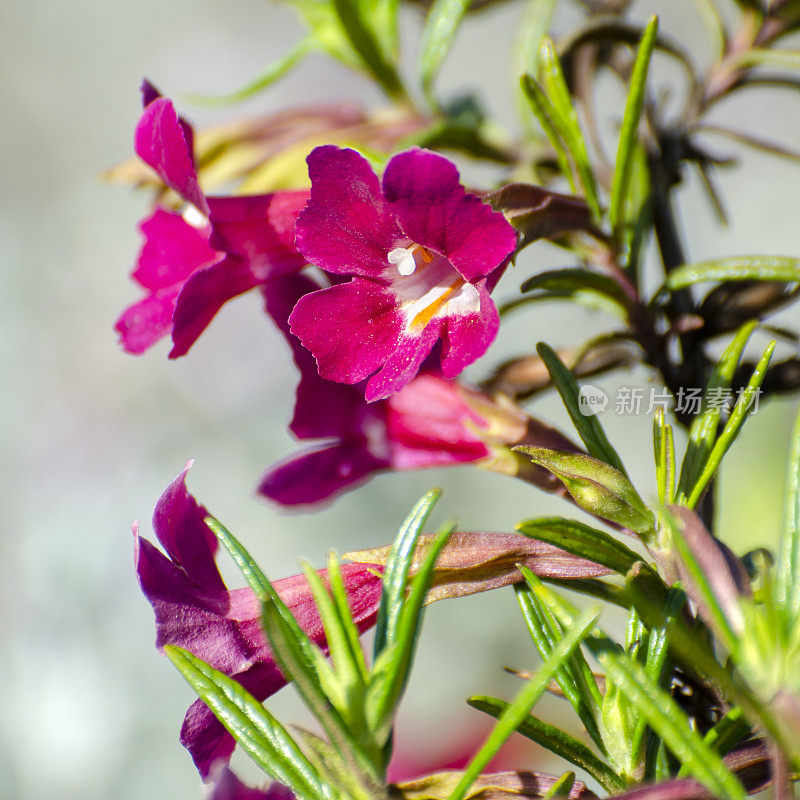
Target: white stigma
{"points": [[403, 259]]}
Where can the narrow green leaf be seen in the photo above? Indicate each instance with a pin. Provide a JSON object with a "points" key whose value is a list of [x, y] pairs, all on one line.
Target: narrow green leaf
{"points": [[691, 649], [664, 451], [768, 57], [655, 669], [251, 572], [348, 660], [574, 676], [390, 671], [260, 735], [398, 564], [567, 121], [547, 116], [732, 427], [277, 69], [637, 213], [739, 268], [670, 722], [331, 767], [386, 24], [573, 283], [589, 428], [581, 540], [325, 28], [561, 788], [532, 30], [592, 587], [365, 42], [788, 573], [726, 734], [303, 662], [517, 711], [438, 34], [596, 487], [703, 431], [630, 127], [349, 627], [555, 740]]}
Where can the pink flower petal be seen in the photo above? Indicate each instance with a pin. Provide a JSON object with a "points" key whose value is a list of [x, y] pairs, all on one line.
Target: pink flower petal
{"points": [[161, 143], [206, 738], [318, 475], [468, 336], [144, 323], [435, 210], [351, 329], [428, 424], [322, 408], [179, 524], [259, 229], [403, 363], [346, 227], [173, 249], [203, 296]]}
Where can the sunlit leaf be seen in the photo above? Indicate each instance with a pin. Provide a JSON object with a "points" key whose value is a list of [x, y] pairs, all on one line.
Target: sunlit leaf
{"points": [[260, 735], [519, 709], [581, 540], [788, 574], [391, 669], [365, 42], [704, 428], [733, 426], [398, 564], [438, 34], [574, 676], [629, 132], [668, 720], [555, 740], [740, 268], [588, 427]]}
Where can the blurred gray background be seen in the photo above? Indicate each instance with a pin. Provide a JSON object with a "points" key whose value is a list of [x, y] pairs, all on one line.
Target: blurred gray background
{"points": [[90, 436]]}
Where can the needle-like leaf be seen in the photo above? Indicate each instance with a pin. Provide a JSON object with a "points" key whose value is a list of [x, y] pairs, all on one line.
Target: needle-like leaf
{"points": [[525, 701], [262, 737]]}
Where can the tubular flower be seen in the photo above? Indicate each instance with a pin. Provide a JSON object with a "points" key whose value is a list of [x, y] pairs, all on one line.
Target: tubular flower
{"points": [[430, 422], [191, 271], [420, 252], [195, 610]]}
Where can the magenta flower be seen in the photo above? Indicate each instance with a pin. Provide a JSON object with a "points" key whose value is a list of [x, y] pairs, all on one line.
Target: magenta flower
{"points": [[190, 271], [420, 251], [429, 423], [195, 610], [173, 251]]}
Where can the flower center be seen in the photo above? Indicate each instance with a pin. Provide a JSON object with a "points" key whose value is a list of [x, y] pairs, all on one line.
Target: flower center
{"points": [[427, 284], [407, 259]]}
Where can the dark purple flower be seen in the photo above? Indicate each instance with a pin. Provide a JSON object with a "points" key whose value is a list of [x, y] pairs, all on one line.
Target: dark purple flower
{"points": [[195, 610], [191, 272], [420, 251], [430, 422]]}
